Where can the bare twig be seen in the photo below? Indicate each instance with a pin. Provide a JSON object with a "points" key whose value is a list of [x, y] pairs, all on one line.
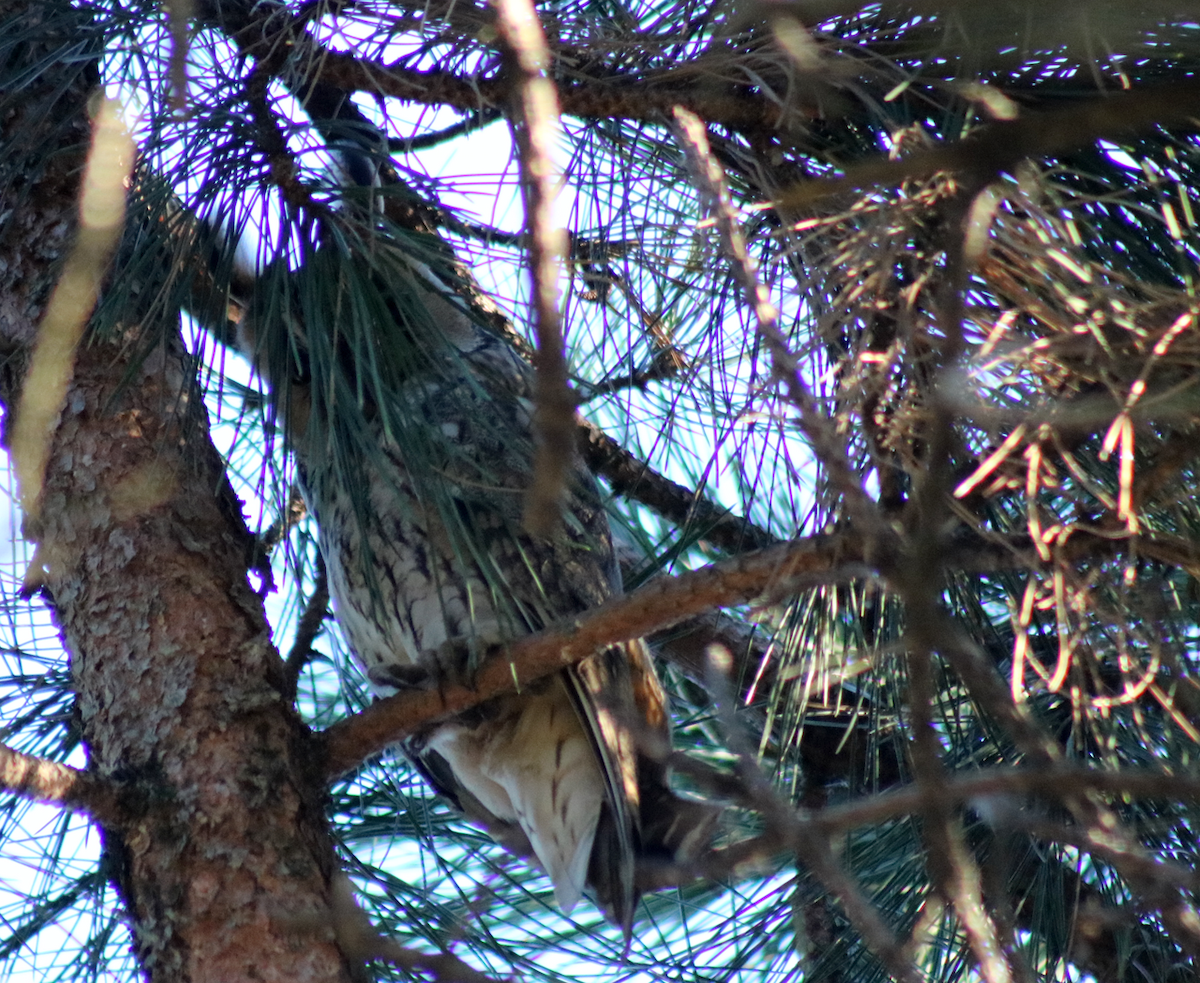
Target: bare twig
{"points": [[1166, 873], [959, 790], [635, 479], [360, 941], [815, 853], [315, 613], [423, 141], [660, 368], [1052, 783], [951, 867], [179, 12]]}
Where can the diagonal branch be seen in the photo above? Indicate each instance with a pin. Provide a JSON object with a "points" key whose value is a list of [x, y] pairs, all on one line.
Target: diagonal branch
{"points": [[316, 610], [360, 940], [829, 449], [633, 478], [660, 604], [767, 574]]}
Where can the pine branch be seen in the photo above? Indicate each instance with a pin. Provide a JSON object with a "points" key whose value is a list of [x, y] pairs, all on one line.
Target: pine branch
{"points": [[1000, 146], [284, 170], [57, 784], [759, 576], [423, 141], [276, 40], [635, 479]]}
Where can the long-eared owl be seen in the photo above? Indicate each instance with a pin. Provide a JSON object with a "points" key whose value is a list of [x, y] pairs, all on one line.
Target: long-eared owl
{"points": [[428, 563]]}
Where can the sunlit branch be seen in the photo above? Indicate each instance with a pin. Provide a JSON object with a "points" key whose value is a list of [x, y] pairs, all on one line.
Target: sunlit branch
{"points": [[660, 604], [760, 576], [101, 218], [56, 784]]}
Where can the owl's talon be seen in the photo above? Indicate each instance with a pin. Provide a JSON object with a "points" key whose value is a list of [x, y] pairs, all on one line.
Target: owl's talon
{"points": [[399, 677], [456, 661]]}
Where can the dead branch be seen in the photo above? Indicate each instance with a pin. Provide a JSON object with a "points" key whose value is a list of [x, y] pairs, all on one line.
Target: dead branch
{"points": [[311, 621]]}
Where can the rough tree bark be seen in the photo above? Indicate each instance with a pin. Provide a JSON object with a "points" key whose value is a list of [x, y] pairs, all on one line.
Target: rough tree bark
{"points": [[221, 851]]}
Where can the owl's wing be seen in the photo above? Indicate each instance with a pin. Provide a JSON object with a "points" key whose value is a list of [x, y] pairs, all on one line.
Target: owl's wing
{"points": [[600, 689], [623, 707]]}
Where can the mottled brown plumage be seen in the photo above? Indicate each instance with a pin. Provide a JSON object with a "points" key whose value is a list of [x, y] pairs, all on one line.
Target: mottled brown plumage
{"points": [[428, 564]]}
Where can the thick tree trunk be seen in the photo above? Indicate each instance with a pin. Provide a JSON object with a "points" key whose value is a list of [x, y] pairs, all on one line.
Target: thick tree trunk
{"points": [[226, 865], [224, 858]]}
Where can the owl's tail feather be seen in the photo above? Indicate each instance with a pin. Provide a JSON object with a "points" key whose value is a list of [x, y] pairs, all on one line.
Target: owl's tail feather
{"points": [[675, 831], [611, 874]]}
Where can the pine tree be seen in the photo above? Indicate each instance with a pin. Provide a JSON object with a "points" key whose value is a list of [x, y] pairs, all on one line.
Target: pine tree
{"points": [[881, 327]]}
